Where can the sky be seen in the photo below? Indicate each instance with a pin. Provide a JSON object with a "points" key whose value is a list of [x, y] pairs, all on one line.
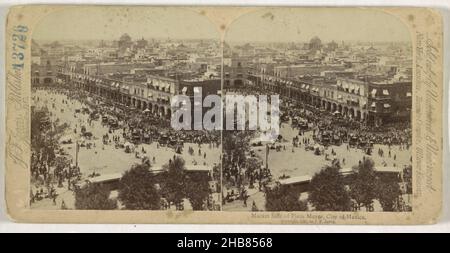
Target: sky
{"points": [[109, 23], [265, 25], [301, 24]]}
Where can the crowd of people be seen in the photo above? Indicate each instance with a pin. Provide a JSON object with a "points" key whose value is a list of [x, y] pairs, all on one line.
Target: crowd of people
{"points": [[325, 131], [123, 127]]}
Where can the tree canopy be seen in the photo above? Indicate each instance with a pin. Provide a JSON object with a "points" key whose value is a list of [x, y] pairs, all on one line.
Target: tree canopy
{"points": [[281, 198], [137, 189], [327, 191], [363, 183], [178, 184], [94, 197], [388, 192]]}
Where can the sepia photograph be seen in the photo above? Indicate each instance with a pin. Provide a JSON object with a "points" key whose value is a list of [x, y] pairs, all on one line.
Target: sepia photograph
{"points": [[228, 115], [344, 81], [101, 136]]}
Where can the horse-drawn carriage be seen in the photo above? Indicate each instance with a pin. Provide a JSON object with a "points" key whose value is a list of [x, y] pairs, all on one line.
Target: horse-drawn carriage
{"points": [[87, 135], [85, 110], [325, 138], [336, 140], [94, 115], [113, 123], [163, 140], [353, 141], [136, 136]]}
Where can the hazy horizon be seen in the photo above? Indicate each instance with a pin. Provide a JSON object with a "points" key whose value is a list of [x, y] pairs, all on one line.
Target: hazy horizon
{"points": [[268, 25]]}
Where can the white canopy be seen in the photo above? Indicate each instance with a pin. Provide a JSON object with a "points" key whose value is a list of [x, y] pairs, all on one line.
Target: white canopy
{"points": [[66, 138], [385, 92], [387, 105], [128, 144]]}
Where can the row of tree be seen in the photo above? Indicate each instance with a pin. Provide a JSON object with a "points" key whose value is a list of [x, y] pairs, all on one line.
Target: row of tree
{"points": [[141, 189], [44, 143], [329, 190]]}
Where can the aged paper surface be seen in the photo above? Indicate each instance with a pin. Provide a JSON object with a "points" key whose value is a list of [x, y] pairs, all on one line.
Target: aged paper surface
{"points": [[92, 91]]}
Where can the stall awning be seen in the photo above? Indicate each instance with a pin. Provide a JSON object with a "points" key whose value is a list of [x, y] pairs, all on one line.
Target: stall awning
{"points": [[387, 105], [385, 92]]}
